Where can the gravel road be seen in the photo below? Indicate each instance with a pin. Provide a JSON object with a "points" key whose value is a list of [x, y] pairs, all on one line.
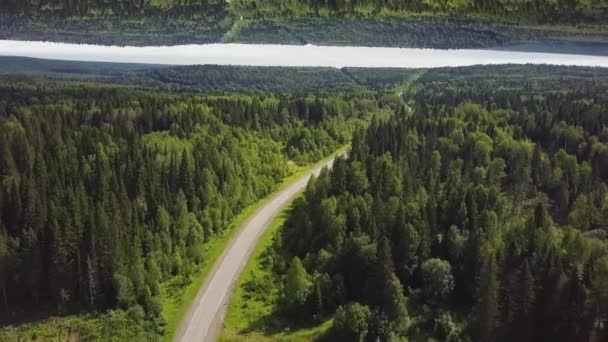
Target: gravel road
{"points": [[203, 320]]}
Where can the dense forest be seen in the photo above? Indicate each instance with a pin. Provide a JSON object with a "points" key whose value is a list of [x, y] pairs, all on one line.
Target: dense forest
{"points": [[109, 8], [123, 22], [407, 23], [193, 78], [479, 212], [541, 10], [106, 191]]}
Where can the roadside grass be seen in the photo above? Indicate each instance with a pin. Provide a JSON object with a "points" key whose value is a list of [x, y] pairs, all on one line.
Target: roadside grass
{"points": [[113, 325], [51, 329], [256, 294], [300, 335], [177, 299]]}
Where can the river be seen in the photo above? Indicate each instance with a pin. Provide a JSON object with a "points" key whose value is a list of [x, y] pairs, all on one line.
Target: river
{"points": [[288, 55]]}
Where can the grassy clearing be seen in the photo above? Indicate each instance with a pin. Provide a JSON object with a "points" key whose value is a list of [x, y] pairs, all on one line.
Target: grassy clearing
{"points": [[52, 329], [113, 325], [300, 335], [175, 299]]}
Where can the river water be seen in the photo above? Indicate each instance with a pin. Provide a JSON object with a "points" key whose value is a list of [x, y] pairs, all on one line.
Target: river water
{"points": [[288, 55]]}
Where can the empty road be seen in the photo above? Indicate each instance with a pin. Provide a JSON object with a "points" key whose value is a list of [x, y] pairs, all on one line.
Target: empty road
{"points": [[203, 321]]}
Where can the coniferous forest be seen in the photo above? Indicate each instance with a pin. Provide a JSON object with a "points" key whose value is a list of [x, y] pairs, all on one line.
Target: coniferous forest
{"points": [[541, 10], [473, 205], [477, 212], [444, 24], [108, 191]]}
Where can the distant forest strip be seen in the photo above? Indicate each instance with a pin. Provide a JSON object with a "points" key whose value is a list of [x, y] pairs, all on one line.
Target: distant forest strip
{"points": [[540, 11], [412, 23], [213, 78], [252, 79]]}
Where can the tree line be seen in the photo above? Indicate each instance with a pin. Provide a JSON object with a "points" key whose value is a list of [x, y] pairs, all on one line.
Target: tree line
{"points": [[540, 11], [108, 8], [543, 11]]}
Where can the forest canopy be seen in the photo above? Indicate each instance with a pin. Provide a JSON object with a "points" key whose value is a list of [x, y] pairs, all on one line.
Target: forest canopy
{"points": [[473, 205], [106, 192], [479, 212], [542, 10]]}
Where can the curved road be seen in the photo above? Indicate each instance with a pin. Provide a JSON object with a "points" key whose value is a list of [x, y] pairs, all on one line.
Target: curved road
{"points": [[204, 318]]}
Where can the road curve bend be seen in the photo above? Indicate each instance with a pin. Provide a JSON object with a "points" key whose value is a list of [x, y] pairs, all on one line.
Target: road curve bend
{"points": [[203, 320]]}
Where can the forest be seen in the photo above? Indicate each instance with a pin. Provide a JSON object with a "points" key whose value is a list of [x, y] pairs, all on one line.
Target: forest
{"points": [[108, 8], [195, 78], [118, 22], [108, 191], [540, 11], [473, 206], [560, 11], [408, 23], [477, 212]]}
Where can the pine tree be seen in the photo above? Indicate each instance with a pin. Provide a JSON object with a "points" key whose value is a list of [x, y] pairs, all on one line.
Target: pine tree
{"points": [[487, 310], [576, 323], [5, 256], [525, 304], [384, 289], [185, 176], [338, 176], [536, 170], [298, 287], [31, 261], [91, 279], [406, 246], [519, 300], [8, 166]]}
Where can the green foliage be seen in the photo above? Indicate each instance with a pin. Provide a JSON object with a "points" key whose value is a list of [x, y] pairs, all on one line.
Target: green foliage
{"points": [[447, 329], [125, 293], [116, 21], [351, 322], [114, 325], [298, 288], [498, 183], [547, 25], [231, 78], [475, 206], [424, 24], [486, 309], [544, 11], [437, 278], [106, 193]]}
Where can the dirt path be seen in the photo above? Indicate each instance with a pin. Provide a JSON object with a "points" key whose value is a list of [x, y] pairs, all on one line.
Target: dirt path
{"points": [[204, 318]]}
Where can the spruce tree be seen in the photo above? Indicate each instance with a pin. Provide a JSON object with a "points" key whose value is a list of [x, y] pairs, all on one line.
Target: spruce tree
{"points": [[486, 309]]}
